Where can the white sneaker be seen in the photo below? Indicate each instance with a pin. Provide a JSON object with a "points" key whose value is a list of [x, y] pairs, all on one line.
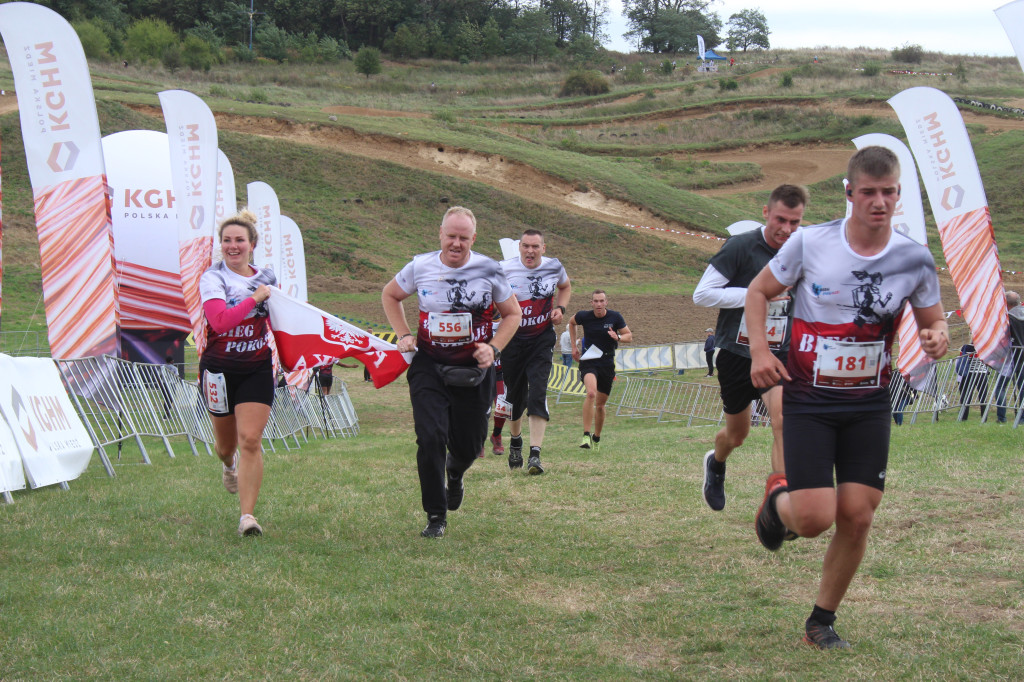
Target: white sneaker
{"points": [[230, 476], [248, 525]]}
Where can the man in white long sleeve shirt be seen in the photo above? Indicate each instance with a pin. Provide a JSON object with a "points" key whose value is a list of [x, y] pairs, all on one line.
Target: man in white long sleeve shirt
{"points": [[724, 286]]}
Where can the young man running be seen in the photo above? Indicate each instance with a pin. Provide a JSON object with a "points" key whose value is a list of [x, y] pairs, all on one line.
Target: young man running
{"points": [[542, 289], [724, 286], [852, 279], [603, 331]]}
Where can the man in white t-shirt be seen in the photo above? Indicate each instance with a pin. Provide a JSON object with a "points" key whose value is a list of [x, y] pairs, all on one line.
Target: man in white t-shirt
{"points": [[451, 377], [851, 279], [542, 288]]}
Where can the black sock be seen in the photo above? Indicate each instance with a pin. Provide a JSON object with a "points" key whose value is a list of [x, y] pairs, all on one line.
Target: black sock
{"points": [[597, 439], [716, 466], [516, 441], [823, 616], [586, 433], [534, 450]]}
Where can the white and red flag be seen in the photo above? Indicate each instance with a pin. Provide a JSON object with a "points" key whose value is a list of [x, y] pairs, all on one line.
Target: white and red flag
{"points": [[937, 136], [307, 337]]}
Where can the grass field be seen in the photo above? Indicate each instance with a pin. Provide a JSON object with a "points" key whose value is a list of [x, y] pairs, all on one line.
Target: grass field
{"points": [[607, 567]]}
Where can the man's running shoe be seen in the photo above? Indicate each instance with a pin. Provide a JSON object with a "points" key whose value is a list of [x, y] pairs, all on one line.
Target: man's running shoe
{"points": [[714, 483], [533, 466], [515, 457], [456, 491], [248, 526], [435, 527], [586, 443], [773, 479], [823, 636], [230, 476], [496, 446], [595, 446], [770, 530]]}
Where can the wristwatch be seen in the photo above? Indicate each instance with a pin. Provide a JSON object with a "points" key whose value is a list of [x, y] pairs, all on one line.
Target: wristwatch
{"points": [[562, 308], [497, 353]]}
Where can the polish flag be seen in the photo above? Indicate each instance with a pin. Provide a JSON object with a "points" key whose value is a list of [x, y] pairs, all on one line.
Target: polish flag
{"points": [[307, 337]]}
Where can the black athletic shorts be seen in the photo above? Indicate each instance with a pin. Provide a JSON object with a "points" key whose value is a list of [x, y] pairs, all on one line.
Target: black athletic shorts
{"points": [[242, 387], [738, 391], [526, 365], [604, 371], [855, 445]]}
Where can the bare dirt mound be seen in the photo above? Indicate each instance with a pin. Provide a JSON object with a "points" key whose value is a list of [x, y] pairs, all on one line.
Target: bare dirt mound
{"points": [[796, 165]]}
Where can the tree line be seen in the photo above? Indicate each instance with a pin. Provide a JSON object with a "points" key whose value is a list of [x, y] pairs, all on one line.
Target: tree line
{"points": [[199, 33]]}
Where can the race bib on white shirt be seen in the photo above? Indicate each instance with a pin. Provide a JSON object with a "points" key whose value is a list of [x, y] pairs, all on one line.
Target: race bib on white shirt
{"points": [[848, 364], [450, 327], [215, 391]]}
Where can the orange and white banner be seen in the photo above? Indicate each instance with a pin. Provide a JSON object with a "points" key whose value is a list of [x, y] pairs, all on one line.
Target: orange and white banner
{"points": [[1011, 15], [262, 200], [938, 138], [51, 439], [145, 220], [65, 163], [192, 139], [908, 219]]}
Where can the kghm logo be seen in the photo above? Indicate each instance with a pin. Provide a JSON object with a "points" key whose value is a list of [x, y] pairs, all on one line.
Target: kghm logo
{"points": [[62, 156]]}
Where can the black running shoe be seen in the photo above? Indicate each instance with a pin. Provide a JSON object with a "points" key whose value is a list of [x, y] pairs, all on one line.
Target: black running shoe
{"points": [[435, 527], [533, 466], [456, 491], [714, 484], [515, 457], [770, 529], [823, 636]]}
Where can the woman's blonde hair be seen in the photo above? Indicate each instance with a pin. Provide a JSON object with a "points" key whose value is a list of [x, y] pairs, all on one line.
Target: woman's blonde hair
{"points": [[244, 218]]}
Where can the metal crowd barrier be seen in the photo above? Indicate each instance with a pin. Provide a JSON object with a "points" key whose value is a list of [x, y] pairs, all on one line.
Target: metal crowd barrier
{"points": [[120, 401]]}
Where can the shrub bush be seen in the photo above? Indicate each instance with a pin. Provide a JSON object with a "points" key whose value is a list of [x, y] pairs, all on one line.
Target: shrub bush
{"points": [[908, 54], [871, 69], [728, 84], [584, 83], [95, 42], [787, 81], [149, 39]]}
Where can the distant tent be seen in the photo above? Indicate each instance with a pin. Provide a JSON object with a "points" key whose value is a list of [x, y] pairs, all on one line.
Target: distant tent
{"points": [[711, 54]]}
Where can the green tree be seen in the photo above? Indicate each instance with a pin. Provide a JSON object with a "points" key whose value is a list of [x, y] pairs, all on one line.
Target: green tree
{"points": [[149, 39], [492, 44], [748, 28], [669, 25], [95, 42], [367, 61], [531, 35], [408, 42], [272, 42], [466, 40], [198, 54]]}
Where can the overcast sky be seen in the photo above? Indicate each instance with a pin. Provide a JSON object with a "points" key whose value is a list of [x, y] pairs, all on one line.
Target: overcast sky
{"points": [[952, 26]]}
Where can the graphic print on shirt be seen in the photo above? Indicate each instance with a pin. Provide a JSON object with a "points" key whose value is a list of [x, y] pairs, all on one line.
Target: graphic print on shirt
{"points": [[456, 304], [245, 346], [868, 301], [535, 289]]}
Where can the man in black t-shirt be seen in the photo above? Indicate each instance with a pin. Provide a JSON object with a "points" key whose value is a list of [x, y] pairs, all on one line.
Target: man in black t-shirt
{"points": [[603, 330], [724, 286]]}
